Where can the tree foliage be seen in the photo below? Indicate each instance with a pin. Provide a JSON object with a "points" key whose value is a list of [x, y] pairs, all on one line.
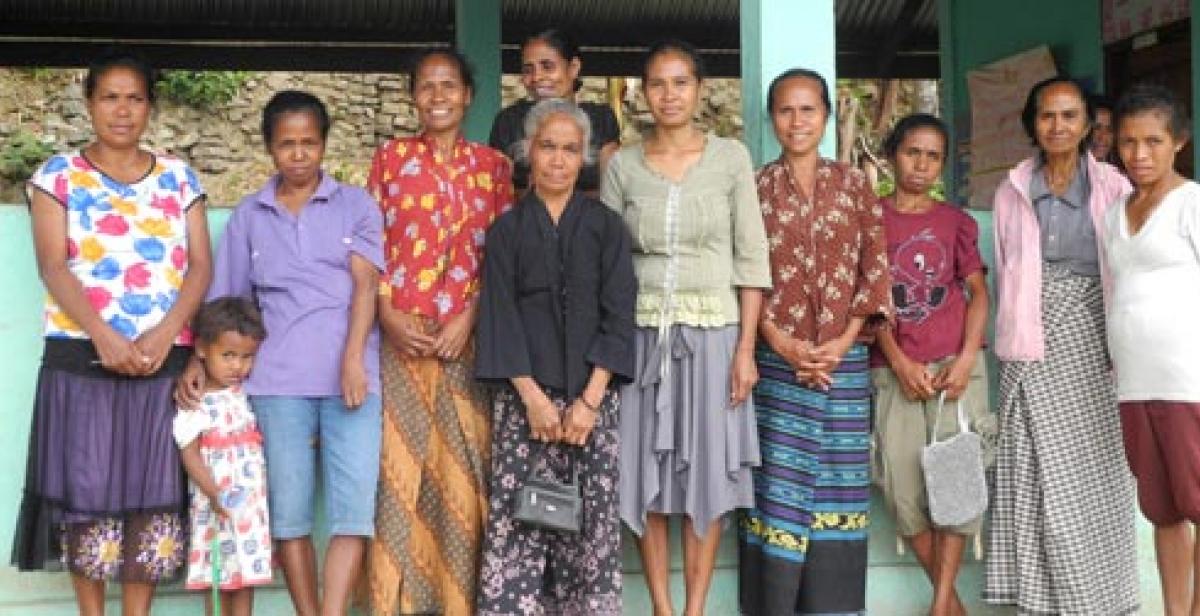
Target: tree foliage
{"points": [[201, 89], [20, 155]]}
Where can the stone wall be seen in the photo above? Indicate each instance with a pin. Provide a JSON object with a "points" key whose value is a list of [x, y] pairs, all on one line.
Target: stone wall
{"points": [[224, 143]]}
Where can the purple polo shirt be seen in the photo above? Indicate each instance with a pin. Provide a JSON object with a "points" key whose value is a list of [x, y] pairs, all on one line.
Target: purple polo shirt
{"points": [[298, 270]]}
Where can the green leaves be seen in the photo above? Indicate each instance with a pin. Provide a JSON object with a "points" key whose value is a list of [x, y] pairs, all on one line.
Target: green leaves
{"points": [[201, 89], [20, 155]]}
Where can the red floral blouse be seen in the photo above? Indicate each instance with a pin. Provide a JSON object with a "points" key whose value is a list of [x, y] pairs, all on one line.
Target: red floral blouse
{"points": [[828, 254], [435, 215]]}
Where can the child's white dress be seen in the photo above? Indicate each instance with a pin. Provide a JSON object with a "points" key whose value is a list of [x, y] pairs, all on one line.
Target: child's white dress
{"points": [[232, 449]]}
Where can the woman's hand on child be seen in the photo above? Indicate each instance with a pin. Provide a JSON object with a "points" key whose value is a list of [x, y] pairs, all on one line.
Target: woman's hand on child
{"points": [[189, 388]]}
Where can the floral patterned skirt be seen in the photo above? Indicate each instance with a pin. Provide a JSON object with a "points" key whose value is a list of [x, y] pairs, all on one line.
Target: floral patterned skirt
{"points": [[146, 548], [105, 493], [535, 572]]}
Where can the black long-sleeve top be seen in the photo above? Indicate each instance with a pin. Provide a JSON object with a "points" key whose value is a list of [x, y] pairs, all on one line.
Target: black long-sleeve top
{"points": [[556, 300]]}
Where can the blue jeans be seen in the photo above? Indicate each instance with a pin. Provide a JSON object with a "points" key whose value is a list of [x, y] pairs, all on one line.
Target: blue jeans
{"points": [[300, 433]]}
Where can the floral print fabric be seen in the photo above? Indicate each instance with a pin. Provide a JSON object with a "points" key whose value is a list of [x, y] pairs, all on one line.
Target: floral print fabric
{"points": [[533, 571], [147, 548], [828, 252], [231, 446], [436, 212], [126, 243]]}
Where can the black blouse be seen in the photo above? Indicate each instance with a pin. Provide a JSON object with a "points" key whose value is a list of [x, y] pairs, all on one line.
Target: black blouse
{"points": [[556, 301], [508, 130]]}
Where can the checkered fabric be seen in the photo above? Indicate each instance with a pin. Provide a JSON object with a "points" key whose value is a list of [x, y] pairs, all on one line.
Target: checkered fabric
{"points": [[1062, 532]]}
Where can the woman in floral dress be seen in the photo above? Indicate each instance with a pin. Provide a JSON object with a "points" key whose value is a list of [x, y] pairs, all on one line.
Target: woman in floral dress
{"points": [[122, 248]]}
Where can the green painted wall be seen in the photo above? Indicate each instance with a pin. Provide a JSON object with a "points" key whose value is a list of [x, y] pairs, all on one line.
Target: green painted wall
{"points": [[978, 32]]}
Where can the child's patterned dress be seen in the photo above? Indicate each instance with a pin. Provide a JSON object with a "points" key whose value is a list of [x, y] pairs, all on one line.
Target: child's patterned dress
{"points": [[232, 449]]}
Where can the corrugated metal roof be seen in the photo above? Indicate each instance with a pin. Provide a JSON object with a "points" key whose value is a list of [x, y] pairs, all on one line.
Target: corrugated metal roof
{"points": [[367, 34], [231, 18], [877, 17]]}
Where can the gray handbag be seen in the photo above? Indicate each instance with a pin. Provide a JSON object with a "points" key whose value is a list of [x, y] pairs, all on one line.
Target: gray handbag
{"points": [[953, 468], [549, 503]]}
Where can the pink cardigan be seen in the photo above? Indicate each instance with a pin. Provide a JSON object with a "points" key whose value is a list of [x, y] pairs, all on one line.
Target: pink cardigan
{"points": [[1019, 335]]}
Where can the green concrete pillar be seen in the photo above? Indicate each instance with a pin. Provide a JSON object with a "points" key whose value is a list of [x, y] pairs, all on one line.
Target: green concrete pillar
{"points": [[778, 35], [477, 35], [949, 93]]}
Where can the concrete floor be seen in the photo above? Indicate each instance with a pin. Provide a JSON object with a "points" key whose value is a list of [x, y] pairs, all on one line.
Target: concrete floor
{"points": [[896, 586]]}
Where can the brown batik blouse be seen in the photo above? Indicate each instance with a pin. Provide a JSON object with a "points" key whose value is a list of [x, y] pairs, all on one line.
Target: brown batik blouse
{"points": [[828, 254]]}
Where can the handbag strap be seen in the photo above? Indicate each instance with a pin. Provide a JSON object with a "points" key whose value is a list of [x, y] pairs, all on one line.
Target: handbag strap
{"points": [[962, 418], [541, 452]]}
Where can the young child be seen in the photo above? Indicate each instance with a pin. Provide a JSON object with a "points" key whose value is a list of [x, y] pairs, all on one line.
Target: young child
{"points": [[941, 302], [221, 449]]}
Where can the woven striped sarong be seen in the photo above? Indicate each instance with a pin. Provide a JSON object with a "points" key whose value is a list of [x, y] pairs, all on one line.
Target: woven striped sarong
{"points": [[803, 548]]}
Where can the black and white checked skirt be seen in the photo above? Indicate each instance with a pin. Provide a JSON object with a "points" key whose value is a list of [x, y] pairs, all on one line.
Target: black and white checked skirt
{"points": [[1062, 525]]}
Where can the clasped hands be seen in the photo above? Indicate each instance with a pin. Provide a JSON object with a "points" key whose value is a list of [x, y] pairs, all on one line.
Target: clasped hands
{"points": [[142, 356], [413, 338], [546, 424], [814, 363]]}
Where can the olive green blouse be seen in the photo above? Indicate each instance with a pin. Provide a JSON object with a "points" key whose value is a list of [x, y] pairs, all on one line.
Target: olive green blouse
{"points": [[694, 242]]}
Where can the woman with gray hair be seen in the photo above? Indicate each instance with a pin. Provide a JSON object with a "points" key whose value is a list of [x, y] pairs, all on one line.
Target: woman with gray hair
{"points": [[555, 332]]}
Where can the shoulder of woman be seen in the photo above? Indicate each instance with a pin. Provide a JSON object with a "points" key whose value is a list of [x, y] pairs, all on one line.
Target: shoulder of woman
{"points": [[1189, 193], [770, 170], [958, 213], [850, 175], [356, 196], [598, 109], [596, 207], [1110, 179], [167, 159], [505, 223], [60, 162], [486, 154], [728, 145], [623, 153], [246, 204], [513, 114], [174, 164], [1006, 194]]}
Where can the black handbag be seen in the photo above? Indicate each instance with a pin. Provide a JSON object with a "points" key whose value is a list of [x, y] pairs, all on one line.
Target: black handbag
{"points": [[549, 503]]}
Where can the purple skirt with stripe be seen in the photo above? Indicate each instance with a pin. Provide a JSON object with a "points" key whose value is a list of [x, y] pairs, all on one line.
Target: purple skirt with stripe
{"points": [[100, 446]]}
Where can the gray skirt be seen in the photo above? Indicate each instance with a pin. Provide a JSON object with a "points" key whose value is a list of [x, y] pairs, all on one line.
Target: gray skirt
{"points": [[683, 449]]}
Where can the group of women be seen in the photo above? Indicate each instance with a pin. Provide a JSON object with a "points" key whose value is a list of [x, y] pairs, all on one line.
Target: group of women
{"points": [[659, 326]]}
